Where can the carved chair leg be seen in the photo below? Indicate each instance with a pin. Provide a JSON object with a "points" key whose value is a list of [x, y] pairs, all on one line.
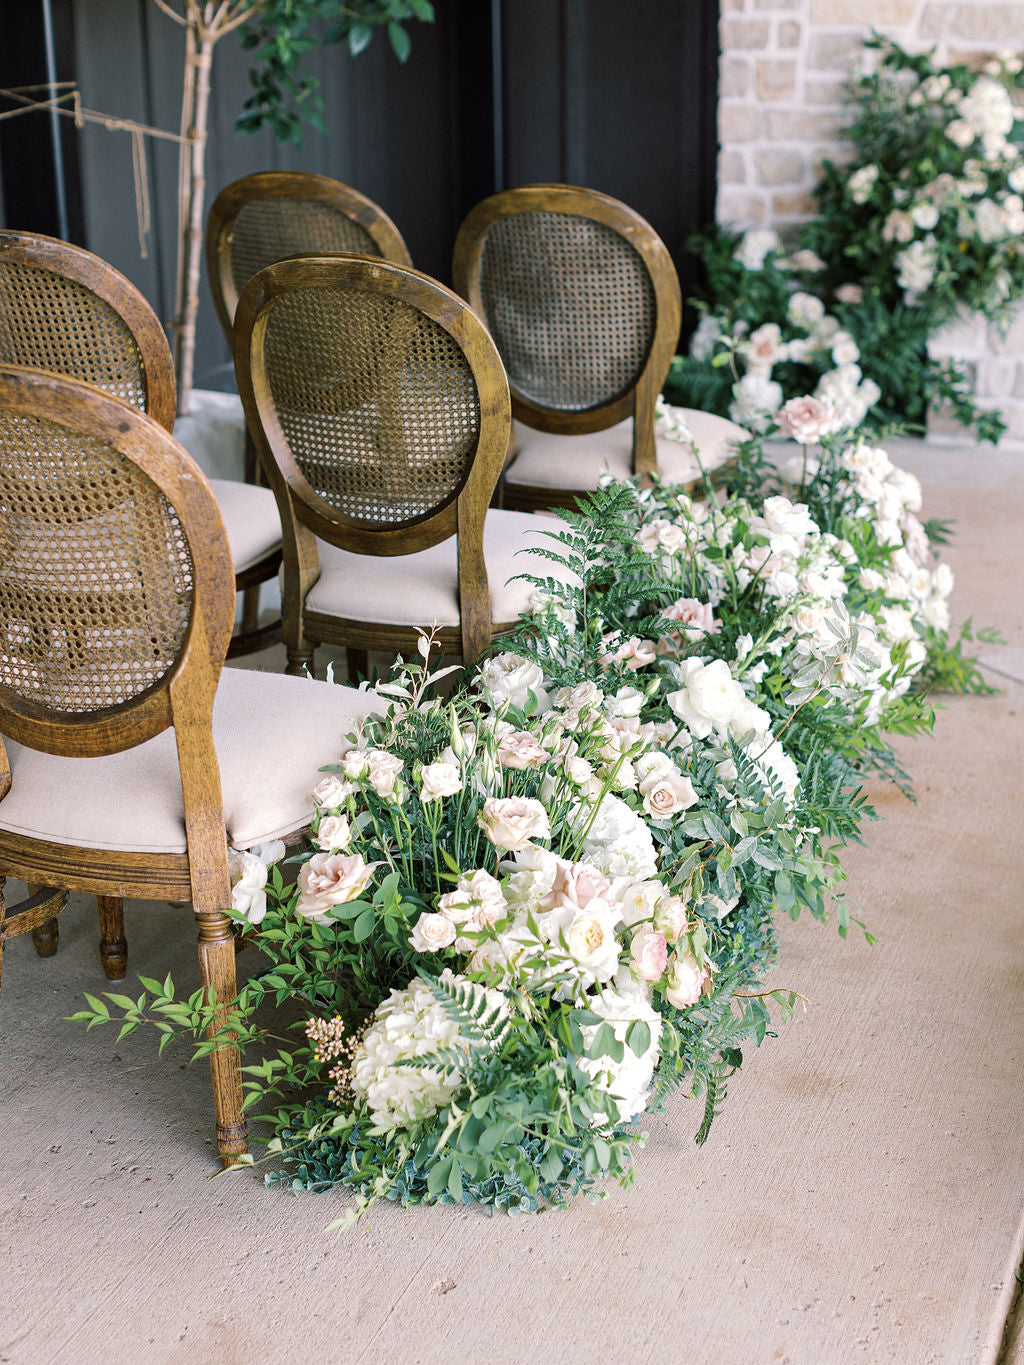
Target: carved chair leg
{"points": [[300, 661], [217, 965], [113, 944], [46, 936], [250, 609], [358, 664]]}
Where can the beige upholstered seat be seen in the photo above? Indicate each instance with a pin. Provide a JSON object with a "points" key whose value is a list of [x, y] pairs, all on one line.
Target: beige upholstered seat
{"points": [[545, 460], [271, 733], [423, 588], [382, 410], [250, 519], [583, 301]]}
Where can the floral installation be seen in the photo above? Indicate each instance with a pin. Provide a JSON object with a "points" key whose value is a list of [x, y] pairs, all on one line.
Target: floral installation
{"points": [[925, 217], [533, 909]]}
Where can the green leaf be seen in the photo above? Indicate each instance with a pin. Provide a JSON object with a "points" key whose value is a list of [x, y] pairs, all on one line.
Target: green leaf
{"points": [[401, 46], [363, 927], [638, 1036], [455, 1181], [360, 36]]}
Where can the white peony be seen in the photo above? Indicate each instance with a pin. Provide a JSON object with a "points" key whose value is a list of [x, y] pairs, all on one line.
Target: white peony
{"points": [[626, 1082], [509, 678], [755, 248]]}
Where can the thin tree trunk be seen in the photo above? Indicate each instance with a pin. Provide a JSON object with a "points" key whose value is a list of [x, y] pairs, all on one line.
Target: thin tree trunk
{"points": [[199, 60]]}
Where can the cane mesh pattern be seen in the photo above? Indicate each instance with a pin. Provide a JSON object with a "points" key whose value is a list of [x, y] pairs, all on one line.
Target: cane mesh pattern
{"points": [[95, 571], [376, 400], [268, 230], [53, 323], [570, 305]]}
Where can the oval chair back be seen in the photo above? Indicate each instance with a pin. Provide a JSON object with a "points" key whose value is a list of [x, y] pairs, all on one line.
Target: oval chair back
{"points": [[271, 215], [582, 299], [64, 309]]}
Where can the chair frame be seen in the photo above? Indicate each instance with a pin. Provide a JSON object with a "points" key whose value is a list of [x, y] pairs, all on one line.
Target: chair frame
{"points": [[305, 515], [183, 699], [34, 250], [638, 401]]}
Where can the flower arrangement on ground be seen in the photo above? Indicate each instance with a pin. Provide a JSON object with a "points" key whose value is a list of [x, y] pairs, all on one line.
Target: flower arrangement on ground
{"points": [[926, 216], [533, 909]]}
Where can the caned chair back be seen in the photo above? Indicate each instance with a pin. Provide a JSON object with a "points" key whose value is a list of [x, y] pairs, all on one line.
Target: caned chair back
{"points": [[271, 215], [382, 403], [582, 300], [66, 310], [116, 586]]}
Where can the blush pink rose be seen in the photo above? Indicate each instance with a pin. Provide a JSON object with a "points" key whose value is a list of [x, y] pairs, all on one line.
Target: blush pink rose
{"points": [[806, 419], [513, 822], [330, 879], [649, 952]]}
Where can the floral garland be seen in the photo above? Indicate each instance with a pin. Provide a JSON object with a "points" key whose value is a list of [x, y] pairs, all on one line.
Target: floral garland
{"points": [[926, 215], [531, 910]]}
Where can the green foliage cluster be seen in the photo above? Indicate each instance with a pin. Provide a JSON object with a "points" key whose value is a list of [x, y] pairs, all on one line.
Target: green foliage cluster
{"points": [[281, 34]]}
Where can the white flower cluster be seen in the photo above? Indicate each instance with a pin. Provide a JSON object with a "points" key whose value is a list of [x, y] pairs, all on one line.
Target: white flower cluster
{"points": [[408, 1024]]}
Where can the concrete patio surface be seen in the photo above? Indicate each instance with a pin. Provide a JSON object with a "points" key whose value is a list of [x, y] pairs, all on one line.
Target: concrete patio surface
{"points": [[860, 1197]]}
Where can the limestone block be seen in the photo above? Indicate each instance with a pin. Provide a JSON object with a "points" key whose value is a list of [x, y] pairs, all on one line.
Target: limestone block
{"points": [[734, 6], [776, 80], [779, 166], [878, 12], [779, 4], [1013, 416], [739, 122], [788, 126], [790, 205], [789, 34], [732, 169], [1009, 340], [1018, 386], [996, 377], [966, 336], [745, 34], [835, 52], [734, 77], [824, 92], [1001, 24], [738, 207]]}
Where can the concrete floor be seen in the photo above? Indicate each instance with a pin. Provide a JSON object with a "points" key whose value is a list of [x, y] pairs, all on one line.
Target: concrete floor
{"points": [[860, 1198]]}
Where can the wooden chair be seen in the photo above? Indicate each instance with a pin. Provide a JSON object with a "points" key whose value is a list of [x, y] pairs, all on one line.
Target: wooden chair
{"points": [[66, 310], [128, 760], [382, 412], [582, 299]]}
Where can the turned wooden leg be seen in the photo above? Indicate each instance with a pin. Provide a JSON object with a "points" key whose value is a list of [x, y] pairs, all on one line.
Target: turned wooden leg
{"points": [[358, 664], [217, 965], [300, 661], [113, 944], [47, 938], [250, 609]]}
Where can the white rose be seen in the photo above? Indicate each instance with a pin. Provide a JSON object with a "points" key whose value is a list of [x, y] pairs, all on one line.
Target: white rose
{"points": [[431, 933], [332, 791], [438, 780], [333, 832], [509, 678], [248, 875], [513, 822]]}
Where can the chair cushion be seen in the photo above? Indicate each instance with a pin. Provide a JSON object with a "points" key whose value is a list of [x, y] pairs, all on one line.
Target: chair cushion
{"points": [[213, 433], [251, 519], [421, 589], [546, 460], [272, 734]]}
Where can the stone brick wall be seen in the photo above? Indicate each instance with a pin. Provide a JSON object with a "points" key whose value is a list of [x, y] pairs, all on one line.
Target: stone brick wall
{"points": [[784, 63]]}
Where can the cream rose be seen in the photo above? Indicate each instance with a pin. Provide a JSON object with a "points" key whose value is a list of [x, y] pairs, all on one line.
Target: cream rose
{"points": [[431, 933], [519, 749], [333, 832], [438, 780], [330, 879], [509, 678], [512, 822], [332, 791], [687, 981]]}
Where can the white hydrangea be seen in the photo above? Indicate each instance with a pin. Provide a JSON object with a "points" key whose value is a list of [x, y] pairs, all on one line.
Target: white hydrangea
{"points": [[702, 343], [805, 310], [618, 841], [917, 264], [755, 247], [411, 1023], [755, 400], [861, 183], [628, 1081]]}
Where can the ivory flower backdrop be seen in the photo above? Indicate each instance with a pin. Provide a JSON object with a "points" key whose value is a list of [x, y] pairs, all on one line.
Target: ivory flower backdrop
{"points": [[533, 909]]}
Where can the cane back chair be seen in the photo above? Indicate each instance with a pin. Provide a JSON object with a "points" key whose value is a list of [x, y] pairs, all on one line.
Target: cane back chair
{"points": [[382, 411], [582, 299], [66, 310], [128, 760]]}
